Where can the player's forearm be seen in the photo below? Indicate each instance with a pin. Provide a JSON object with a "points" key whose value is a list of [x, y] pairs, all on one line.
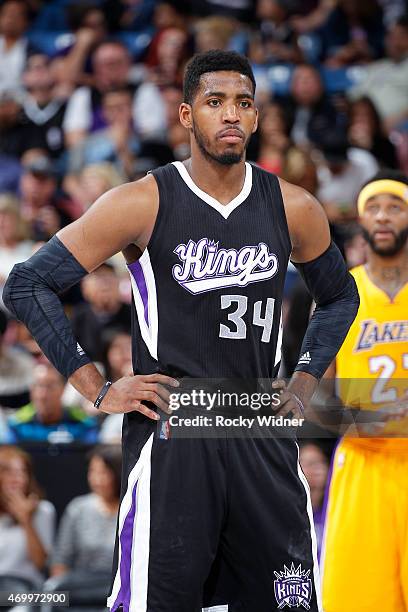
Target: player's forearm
{"points": [[88, 381], [328, 411], [306, 388], [335, 293], [303, 385]]}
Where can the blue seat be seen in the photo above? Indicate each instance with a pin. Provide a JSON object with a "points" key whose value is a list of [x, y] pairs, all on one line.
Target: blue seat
{"points": [[52, 17], [341, 79], [239, 42], [137, 42], [311, 45], [277, 77], [50, 43]]}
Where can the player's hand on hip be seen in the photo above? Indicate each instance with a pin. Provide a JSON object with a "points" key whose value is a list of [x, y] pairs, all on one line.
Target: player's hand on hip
{"points": [[289, 403], [131, 393]]}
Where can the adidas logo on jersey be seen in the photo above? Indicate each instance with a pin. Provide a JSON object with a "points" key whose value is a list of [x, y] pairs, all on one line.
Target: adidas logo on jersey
{"points": [[305, 358], [206, 267], [80, 350]]}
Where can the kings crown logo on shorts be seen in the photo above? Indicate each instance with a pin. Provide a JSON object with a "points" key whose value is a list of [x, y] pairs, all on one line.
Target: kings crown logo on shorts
{"points": [[205, 266], [293, 588]]}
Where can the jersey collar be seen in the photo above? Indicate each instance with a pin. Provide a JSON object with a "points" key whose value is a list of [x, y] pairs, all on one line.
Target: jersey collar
{"points": [[224, 209]]}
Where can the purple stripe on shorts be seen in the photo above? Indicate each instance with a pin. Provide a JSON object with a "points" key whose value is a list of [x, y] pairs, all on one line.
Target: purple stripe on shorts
{"points": [[125, 540], [137, 273]]}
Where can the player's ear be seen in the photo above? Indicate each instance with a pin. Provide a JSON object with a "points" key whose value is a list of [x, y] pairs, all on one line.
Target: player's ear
{"points": [[185, 115], [256, 121]]}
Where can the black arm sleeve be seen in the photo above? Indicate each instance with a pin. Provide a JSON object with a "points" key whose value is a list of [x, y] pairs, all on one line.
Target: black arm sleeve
{"points": [[335, 292], [31, 295]]}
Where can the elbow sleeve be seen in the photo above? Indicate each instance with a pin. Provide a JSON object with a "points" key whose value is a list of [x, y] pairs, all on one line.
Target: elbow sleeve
{"points": [[31, 295], [335, 292]]}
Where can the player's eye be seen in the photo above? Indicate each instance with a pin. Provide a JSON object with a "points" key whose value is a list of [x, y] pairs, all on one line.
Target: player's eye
{"points": [[372, 209], [245, 104], [214, 102], [395, 208]]}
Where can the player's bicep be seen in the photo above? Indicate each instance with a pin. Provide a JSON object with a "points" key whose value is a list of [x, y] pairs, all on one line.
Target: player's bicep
{"points": [[119, 217], [308, 225]]}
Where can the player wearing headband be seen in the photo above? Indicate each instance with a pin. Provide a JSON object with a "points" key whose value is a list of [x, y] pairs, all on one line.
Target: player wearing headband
{"points": [[365, 558]]}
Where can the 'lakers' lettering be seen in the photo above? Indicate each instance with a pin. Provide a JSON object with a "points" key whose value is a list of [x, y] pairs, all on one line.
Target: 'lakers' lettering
{"points": [[373, 333]]}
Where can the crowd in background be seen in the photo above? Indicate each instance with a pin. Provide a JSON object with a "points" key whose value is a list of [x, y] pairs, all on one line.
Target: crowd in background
{"points": [[89, 97]]}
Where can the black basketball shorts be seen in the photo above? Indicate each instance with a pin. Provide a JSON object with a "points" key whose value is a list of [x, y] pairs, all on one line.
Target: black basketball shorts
{"points": [[213, 525]]}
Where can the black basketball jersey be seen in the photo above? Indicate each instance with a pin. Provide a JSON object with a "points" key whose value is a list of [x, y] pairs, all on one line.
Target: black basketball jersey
{"points": [[207, 290]]}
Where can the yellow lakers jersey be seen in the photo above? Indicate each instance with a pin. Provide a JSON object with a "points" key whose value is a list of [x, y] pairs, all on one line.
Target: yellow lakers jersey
{"points": [[372, 364]]}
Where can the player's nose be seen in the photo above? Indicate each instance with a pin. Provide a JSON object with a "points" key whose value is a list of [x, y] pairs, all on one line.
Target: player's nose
{"points": [[382, 216], [231, 114]]}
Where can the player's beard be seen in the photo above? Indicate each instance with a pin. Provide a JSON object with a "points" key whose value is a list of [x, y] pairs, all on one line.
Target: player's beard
{"points": [[225, 159], [400, 242]]}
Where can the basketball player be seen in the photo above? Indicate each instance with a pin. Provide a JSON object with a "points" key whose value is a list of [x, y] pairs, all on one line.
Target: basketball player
{"points": [[214, 524], [365, 563]]}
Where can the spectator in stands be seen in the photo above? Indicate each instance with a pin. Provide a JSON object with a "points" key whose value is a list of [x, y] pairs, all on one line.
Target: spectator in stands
{"points": [[14, 245], [315, 467], [312, 17], [343, 171], [386, 80], [169, 14], [117, 359], [117, 363], [93, 181], [130, 15], [242, 10], [14, 47], [16, 372], [213, 32], [27, 524], [4, 431], [274, 140], [45, 418], [23, 340], [278, 37], [82, 559], [392, 10], [12, 134], [116, 143], [88, 22], [43, 207], [43, 109], [102, 310], [355, 246], [311, 112], [354, 33], [366, 132], [10, 174], [111, 64], [177, 136], [166, 63], [300, 169], [179, 142]]}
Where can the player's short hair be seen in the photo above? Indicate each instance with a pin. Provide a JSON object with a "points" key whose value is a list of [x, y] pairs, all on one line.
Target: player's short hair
{"points": [[213, 61], [387, 174]]}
